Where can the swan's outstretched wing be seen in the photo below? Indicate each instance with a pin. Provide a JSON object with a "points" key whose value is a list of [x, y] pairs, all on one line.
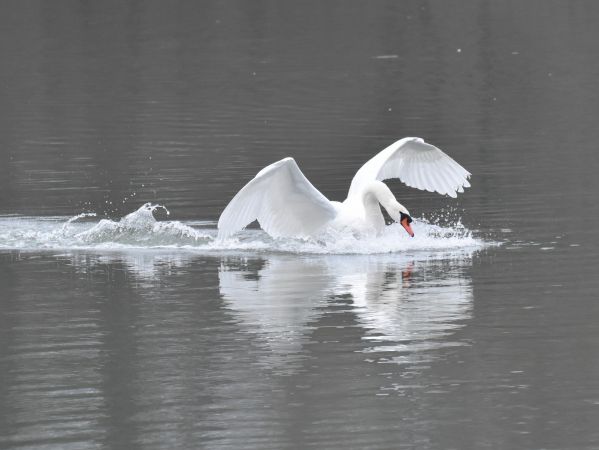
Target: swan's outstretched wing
{"points": [[417, 164], [283, 201]]}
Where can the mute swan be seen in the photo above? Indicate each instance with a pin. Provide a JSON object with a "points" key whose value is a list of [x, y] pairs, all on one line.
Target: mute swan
{"points": [[286, 204]]}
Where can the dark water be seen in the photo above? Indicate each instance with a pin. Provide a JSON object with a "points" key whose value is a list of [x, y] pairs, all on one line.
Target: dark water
{"points": [[105, 106]]}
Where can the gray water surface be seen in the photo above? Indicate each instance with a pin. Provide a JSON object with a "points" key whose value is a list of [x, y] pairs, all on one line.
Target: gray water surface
{"points": [[148, 337]]}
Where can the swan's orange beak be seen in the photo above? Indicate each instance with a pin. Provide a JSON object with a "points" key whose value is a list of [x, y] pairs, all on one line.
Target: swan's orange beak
{"points": [[405, 222]]}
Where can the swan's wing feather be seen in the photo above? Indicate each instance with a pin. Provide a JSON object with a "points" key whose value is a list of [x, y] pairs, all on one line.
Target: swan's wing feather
{"points": [[283, 201], [417, 164]]}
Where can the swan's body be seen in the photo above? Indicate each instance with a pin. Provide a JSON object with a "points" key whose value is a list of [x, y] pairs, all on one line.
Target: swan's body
{"points": [[286, 204]]}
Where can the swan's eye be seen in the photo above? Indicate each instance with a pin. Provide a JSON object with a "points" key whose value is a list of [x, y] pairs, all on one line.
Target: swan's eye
{"points": [[405, 216]]}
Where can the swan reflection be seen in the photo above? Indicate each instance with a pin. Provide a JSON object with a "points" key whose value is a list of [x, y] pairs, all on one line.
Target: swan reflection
{"points": [[405, 306]]}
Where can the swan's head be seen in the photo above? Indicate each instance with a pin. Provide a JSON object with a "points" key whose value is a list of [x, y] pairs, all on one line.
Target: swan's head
{"points": [[405, 222], [396, 210], [401, 215]]}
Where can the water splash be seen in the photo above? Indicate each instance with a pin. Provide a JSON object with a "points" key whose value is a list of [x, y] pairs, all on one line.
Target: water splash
{"points": [[65, 226], [141, 230]]}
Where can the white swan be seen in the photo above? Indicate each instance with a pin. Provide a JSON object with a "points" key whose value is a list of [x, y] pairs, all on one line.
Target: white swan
{"points": [[286, 204]]}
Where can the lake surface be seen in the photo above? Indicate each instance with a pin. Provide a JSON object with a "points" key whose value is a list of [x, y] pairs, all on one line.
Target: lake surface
{"points": [[127, 327]]}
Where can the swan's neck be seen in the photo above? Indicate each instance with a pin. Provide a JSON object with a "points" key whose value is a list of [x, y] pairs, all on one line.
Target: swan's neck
{"points": [[377, 193]]}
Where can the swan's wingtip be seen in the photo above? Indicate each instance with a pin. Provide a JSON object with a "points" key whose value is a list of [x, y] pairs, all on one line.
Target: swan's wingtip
{"points": [[407, 139], [275, 165]]}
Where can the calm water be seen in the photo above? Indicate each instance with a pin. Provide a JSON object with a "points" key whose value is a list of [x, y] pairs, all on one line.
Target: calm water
{"points": [[143, 332]]}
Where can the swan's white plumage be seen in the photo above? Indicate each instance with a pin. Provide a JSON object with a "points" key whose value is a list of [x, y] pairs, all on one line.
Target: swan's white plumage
{"points": [[283, 201], [417, 164]]}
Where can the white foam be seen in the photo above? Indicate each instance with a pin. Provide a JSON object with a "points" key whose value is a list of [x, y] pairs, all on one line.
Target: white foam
{"points": [[140, 230]]}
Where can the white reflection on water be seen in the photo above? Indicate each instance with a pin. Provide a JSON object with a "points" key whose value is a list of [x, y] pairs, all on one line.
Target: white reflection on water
{"points": [[144, 266], [406, 305]]}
